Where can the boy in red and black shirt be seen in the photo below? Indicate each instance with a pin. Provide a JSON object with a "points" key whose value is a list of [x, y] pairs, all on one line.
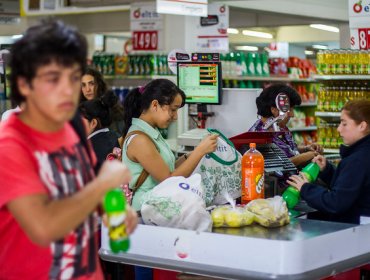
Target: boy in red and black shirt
{"points": [[48, 189]]}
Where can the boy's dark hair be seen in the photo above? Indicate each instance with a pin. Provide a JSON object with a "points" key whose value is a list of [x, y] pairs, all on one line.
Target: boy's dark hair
{"points": [[99, 109], [99, 83], [266, 99], [139, 99], [50, 40]]}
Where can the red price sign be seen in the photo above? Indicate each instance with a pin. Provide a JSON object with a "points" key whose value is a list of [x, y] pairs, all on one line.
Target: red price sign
{"points": [[364, 38], [145, 40]]}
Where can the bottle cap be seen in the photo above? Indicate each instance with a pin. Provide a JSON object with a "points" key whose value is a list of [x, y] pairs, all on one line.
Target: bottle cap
{"points": [[252, 145], [312, 171]]}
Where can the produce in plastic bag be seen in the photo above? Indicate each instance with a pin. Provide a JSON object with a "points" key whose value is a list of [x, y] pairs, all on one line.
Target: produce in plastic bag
{"points": [[228, 216], [270, 212]]}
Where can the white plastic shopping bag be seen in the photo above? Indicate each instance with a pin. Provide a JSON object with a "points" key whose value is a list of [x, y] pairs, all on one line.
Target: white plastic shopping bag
{"points": [[221, 172], [177, 202]]}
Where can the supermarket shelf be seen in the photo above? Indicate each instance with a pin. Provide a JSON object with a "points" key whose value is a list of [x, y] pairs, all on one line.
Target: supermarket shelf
{"points": [[331, 151], [341, 77], [307, 104], [139, 77], [327, 114], [268, 78], [307, 128]]}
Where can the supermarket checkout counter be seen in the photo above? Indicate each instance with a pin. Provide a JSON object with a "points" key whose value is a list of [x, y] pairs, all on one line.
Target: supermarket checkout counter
{"points": [[304, 249]]}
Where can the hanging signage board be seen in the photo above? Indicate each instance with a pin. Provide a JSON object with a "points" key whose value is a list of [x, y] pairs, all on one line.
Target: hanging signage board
{"points": [[146, 27], [359, 23], [211, 31], [181, 7]]}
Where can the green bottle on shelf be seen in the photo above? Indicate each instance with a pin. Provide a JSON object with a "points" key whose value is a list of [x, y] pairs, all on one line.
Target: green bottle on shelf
{"points": [[115, 206], [291, 195]]}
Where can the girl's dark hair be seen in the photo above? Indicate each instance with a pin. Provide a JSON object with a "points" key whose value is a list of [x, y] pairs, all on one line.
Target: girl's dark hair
{"points": [[99, 109], [266, 99], [101, 86], [358, 110], [49, 41], [139, 99]]}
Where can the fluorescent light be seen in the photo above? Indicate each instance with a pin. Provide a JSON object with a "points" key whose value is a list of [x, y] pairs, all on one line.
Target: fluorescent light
{"points": [[15, 37], [325, 27], [246, 48], [257, 34], [306, 52], [320, 47], [232, 31]]}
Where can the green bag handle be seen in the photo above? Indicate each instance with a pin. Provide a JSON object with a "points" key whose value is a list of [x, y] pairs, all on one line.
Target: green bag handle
{"points": [[215, 157]]}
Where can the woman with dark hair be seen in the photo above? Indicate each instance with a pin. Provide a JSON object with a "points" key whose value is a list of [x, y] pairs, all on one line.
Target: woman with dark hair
{"points": [[92, 85], [97, 115], [347, 199], [267, 110], [147, 109]]}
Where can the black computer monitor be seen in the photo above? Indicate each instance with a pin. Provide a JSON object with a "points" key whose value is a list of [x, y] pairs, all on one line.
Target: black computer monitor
{"points": [[201, 81]]}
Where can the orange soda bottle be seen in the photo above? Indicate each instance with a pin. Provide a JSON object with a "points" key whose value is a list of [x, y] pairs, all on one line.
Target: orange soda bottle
{"points": [[252, 175]]}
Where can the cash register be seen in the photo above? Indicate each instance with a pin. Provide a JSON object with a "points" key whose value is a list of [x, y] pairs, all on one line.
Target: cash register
{"points": [[277, 164]]}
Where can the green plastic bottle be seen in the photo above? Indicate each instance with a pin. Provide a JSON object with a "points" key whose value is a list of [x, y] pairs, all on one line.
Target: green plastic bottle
{"points": [[291, 195], [115, 206]]}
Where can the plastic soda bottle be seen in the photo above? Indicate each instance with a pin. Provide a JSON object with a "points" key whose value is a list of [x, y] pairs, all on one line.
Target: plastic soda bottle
{"points": [[252, 175], [291, 195], [115, 206]]}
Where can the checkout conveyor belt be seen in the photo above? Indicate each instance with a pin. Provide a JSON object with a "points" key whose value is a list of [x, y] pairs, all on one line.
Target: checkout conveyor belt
{"points": [[303, 249]]}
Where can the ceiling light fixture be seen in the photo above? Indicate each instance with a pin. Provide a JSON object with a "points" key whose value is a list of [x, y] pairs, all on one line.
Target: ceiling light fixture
{"points": [[325, 27], [232, 31], [320, 47], [247, 48], [257, 34]]}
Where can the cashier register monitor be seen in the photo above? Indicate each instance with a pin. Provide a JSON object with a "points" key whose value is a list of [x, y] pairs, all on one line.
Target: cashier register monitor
{"points": [[201, 81]]}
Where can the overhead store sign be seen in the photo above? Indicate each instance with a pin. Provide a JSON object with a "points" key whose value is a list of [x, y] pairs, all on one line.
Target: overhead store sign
{"points": [[211, 31], [183, 7], [359, 24], [146, 27]]}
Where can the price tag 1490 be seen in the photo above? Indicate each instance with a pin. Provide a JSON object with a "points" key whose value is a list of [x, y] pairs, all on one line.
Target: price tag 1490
{"points": [[145, 40]]}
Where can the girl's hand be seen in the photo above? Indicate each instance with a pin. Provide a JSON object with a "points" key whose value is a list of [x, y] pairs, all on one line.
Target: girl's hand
{"points": [[208, 144], [297, 181], [321, 161]]}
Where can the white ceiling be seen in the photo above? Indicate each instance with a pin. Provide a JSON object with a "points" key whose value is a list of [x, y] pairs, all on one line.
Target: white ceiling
{"points": [[325, 9]]}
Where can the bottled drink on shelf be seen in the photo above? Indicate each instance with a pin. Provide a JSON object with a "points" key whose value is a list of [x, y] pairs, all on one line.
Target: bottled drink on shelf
{"points": [[252, 175]]}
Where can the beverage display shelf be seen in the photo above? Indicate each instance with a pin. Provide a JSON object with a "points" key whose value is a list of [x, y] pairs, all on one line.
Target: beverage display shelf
{"points": [[331, 151], [307, 104], [299, 129], [327, 114], [268, 78], [340, 77]]}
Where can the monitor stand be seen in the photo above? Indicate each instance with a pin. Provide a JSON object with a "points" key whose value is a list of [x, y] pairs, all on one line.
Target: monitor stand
{"points": [[190, 139]]}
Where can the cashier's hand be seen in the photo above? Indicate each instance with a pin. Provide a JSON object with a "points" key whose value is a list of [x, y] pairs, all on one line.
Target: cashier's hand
{"points": [[297, 181], [208, 144], [315, 148], [130, 221], [321, 161]]}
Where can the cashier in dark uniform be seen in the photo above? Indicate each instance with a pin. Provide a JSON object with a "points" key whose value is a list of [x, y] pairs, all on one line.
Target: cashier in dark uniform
{"points": [[267, 111], [348, 197]]}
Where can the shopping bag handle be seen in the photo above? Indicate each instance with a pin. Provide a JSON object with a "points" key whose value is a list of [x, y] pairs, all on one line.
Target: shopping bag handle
{"points": [[214, 156]]}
